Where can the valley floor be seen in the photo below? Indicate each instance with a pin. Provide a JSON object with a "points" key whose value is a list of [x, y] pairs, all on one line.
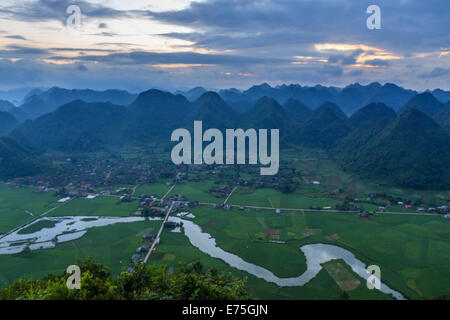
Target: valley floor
{"points": [[411, 248]]}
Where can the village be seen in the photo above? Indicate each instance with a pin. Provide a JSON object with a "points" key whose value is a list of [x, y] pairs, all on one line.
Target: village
{"points": [[117, 177]]}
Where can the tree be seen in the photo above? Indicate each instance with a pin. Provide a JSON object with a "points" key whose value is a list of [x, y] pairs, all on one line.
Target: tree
{"points": [[188, 282], [344, 295]]}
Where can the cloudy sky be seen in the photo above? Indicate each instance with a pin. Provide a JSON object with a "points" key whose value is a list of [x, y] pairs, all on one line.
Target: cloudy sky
{"points": [[178, 44]]}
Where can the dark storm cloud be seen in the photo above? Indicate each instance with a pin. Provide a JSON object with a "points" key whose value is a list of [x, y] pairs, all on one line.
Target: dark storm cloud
{"points": [[332, 71], [345, 60], [248, 40], [17, 37], [378, 63], [81, 67], [405, 24], [356, 73], [29, 72], [264, 36], [14, 51], [81, 49], [45, 10], [435, 73], [140, 57], [20, 73]]}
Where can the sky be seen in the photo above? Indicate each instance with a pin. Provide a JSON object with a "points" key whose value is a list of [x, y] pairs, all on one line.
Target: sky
{"points": [[180, 44]]}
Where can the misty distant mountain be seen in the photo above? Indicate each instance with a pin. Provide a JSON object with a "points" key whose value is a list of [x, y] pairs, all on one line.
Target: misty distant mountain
{"points": [[311, 96], [426, 103], [15, 96], [441, 95], [44, 102], [6, 105], [16, 161], [33, 92], [235, 99], [33, 108], [372, 112], [356, 96], [411, 151], [298, 110], [7, 123], [193, 94], [350, 98], [232, 94], [57, 96]]}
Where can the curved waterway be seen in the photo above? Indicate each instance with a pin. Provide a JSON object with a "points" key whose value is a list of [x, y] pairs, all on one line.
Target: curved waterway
{"points": [[71, 228], [64, 229], [316, 254]]}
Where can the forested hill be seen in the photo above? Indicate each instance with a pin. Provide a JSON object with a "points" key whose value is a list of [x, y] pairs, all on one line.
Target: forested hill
{"points": [[15, 161], [411, 151]]}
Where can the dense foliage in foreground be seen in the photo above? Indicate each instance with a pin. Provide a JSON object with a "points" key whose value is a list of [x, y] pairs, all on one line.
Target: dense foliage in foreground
{"points": [[145, 283]]}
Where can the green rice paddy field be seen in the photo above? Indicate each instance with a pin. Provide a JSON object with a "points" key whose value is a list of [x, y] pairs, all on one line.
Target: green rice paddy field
{"points": [[412, 251], [17, 206], [112, 246]]}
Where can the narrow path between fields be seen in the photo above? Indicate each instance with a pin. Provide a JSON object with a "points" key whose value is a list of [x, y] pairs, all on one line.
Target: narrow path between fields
{"points": [[167, 193], [147, 257], [318, 210], [226, 200]]}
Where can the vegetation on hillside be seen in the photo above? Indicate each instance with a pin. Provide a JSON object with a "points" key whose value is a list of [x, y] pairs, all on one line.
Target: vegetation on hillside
{"points": [[443, 117], [412, 151], [298, 110], [144, 283], [372, 112], [7, 122], [424, 102], [15, 161], [324, 128]]}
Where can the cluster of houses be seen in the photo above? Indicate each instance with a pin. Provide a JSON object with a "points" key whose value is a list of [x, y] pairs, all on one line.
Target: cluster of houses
{"points": [[86, 174], [141, 252], [365, 214], [152, 206], [227, 207], [172, 225], [221, 192]]}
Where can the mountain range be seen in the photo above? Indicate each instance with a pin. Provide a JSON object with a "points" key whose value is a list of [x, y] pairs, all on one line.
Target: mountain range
{"points": [[38, 102], [409, 149]]}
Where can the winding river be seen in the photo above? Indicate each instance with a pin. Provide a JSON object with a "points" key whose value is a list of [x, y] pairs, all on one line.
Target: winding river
{"points": [[71, 228], [64, 229], [315, 254]]}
